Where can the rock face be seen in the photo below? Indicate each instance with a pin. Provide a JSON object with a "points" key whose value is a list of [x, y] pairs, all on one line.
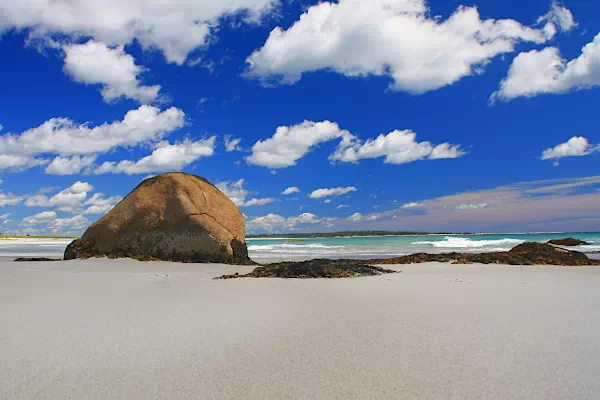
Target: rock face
{"points": [[171, 217], [523, 254], [569, 242], [314, 269]]}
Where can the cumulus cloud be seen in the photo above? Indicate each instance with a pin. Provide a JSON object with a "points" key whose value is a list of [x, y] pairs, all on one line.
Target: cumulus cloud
{"points": [[37, 219], [232, 144], [176, 27], [339, 191], [275, 222], [70, 165], [72, 196], [236, 192], [545, 71], [577, 146], [74, 199], [291, 143], [98, 204], [165, 157], [399, 39], [290, 190], [10, 199], [412, 205], [64, 137], [560, 16], [95, 63], [356, 217], [471, 206], [397, 147], [17, 162]]}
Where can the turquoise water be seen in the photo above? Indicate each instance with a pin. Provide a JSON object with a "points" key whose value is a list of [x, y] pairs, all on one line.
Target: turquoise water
{"points": [[390, 246], [344, 247]]}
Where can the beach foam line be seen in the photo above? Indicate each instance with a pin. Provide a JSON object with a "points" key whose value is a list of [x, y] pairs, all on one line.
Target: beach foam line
{"points": [[466, 243]]}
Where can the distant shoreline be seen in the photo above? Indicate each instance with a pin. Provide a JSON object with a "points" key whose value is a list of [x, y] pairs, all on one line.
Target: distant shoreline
{"points": [[10, 237], [350, 234]]}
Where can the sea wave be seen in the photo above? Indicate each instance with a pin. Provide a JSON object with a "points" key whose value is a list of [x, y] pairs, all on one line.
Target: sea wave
{"points": [[286, 246], [467, 243]]}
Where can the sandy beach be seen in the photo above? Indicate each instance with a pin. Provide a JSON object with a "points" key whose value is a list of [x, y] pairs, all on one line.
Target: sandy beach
{"points": [[101, 329]]}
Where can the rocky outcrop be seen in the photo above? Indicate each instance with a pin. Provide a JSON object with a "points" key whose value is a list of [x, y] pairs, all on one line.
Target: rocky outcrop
{"points": [[569, 242], [523, 254], [314, 269], [171, 217]]}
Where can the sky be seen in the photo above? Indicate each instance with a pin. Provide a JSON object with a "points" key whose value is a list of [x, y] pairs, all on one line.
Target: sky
{"points": [[438, 115]]}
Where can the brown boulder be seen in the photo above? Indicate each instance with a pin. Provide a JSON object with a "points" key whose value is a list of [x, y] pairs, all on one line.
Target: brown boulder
{"points": [[172, 217], [569, 242]]}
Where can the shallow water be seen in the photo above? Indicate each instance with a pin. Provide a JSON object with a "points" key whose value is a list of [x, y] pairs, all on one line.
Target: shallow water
{"points": [[343, 247], [390, 246]]}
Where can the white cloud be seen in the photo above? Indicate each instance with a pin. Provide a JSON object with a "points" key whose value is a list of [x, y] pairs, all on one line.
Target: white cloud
{"points": [[541, 72], [471, 206], [165, 157], [339, 191], [16, 162], [64, 137], [272, 222], [72, 196], [10, 199], [577, 146], [290, 190], [342, 206], [98, 204], [75, 223], [560, 16], [412, 205], [399, 39], [356, 217], [95, 63], [258, 202], [3, 217], [70, 165], [176, 27], [38, 219], [446, 151], [232, 144], [291, 143], [236, 192], [398, 147]]}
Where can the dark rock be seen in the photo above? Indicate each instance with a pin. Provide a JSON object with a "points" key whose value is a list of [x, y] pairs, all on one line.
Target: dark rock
{"points": [[523, 254], [569, 242], [171, 217], [27, 259], [313, 269]]}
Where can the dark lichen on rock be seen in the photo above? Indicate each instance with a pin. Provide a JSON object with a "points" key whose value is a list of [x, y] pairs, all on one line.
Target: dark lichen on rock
{"points": [[314, 269]]}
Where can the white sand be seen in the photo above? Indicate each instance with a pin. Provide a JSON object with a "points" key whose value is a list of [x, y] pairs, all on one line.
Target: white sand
{"points": [[125, 330]]}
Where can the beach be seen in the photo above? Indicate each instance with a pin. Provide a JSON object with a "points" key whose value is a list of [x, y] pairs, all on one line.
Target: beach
{"points": [[123, 329]]}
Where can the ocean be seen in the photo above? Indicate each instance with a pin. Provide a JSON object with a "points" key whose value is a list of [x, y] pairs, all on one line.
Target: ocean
{"points": [[275, 249], [392, 246]]}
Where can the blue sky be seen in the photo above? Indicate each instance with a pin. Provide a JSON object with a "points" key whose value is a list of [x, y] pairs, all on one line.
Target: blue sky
{"points": [[410, 115]]}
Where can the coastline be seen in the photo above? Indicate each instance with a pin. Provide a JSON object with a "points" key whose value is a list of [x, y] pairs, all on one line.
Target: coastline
{"points": [[104, 328]]}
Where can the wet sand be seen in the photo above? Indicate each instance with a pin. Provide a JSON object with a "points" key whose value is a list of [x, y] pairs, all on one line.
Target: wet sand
{"points": [[121, 329]]}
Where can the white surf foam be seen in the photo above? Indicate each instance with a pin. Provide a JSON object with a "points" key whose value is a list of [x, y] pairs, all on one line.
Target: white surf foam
{"points": [[466, 243]]}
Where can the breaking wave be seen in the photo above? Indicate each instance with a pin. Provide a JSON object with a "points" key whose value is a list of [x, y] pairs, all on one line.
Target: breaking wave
{"points": [[466, 243]]}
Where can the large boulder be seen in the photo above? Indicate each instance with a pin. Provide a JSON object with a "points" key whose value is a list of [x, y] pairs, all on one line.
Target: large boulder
{"points": [[173, 217]]}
